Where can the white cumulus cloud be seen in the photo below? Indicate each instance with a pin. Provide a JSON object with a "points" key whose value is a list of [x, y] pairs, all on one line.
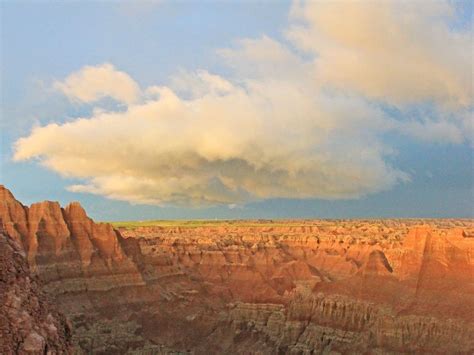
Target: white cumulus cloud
{"points": [[93, 83], [282, 124]]}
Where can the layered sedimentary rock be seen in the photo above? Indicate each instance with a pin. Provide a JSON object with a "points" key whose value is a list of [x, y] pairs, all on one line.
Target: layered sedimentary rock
{"points": [[345, 286], [13, 216], [387, 286], [29, 323], [66, 248]]}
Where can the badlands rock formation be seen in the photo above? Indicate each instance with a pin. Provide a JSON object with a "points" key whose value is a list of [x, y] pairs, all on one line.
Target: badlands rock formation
{"points": [[379, 286], [29, 323]]}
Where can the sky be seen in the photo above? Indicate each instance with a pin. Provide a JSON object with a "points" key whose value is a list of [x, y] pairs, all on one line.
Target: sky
{"points": [[251, 109]]}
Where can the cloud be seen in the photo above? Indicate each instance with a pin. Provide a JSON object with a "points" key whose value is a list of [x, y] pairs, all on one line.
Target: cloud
{"points": [[440, 132], [233, 144], [199, 83], [281, 124], [396, 51], [93, 83]]}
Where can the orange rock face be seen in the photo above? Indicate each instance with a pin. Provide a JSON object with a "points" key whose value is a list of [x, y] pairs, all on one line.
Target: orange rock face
{"points": [[65, 247], [379, 286], [13, 215]]}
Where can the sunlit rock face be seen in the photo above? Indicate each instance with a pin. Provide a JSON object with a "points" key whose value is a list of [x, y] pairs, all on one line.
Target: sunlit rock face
{"points": [[66, 248], [379, 286]]}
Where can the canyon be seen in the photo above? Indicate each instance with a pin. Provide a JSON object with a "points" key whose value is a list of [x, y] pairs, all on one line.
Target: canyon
{"points": [[235, 287]]}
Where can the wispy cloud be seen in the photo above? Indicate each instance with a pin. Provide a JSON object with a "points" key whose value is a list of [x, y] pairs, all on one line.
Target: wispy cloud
{"points": [[396, 51]]}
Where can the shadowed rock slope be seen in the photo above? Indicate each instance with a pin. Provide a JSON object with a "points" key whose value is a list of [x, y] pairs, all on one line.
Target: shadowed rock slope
{"points": [[29, 323], [379, 286]]}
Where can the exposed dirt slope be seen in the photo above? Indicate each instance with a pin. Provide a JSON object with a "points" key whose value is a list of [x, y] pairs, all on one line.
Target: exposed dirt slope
{"points": [[29, 323], [379, 286]]}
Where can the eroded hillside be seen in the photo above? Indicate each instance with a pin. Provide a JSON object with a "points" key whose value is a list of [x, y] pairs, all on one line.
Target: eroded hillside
{"points": [[29, 322], [254, 286]]}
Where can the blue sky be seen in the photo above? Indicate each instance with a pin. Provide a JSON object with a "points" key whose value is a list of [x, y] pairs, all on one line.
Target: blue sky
{"points": [[430, 170]]}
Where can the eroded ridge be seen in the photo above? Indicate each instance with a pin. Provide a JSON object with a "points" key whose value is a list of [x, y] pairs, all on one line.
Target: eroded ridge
{"points": [[254, 286]]}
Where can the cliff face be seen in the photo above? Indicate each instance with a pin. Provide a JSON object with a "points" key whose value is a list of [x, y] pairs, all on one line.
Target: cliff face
{"points": [[66, 248], [254, 287], [13, 215], [29, 323], [341, 287]]}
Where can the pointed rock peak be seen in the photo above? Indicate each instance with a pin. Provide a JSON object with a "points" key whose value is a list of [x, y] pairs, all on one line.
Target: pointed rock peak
{"points": [[75, 206], [6, 194], [376, 264], [420, 231], [75, 211], [9, 204], [13, 219], [416, 237]]}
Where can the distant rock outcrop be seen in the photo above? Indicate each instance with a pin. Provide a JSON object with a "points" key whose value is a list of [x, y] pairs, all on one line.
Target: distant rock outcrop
{"points": [[376, 264]]}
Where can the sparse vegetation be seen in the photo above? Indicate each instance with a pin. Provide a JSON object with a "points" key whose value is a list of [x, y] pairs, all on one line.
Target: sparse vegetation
{"points": [[207, 223], [322, 224]]}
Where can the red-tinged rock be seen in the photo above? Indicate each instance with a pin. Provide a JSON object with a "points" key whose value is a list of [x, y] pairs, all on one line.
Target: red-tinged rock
{"points": [[377, 286], [80, 227], [29, 322], [13, 215], [376, 265], [66, 247], [48, 234], [89, 236]]}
